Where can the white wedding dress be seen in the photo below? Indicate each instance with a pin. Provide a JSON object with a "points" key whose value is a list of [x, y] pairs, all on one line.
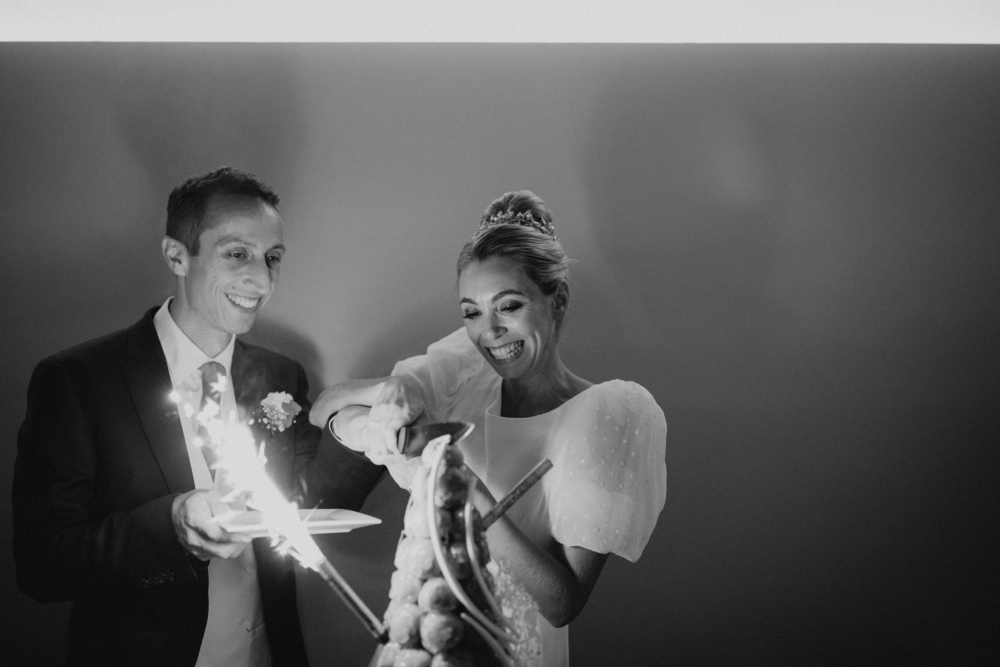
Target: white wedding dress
{"points": [[605, 490]]}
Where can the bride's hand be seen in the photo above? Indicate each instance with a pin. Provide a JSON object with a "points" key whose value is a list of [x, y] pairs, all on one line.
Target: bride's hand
{"points": [[351, 426], [398, 404], [343, 394]]}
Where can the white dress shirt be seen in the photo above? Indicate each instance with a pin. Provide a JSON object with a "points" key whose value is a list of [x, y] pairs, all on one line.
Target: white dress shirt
{"points": [[234, 634]]}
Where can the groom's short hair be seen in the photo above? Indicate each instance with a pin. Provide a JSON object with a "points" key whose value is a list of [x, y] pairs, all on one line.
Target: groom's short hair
{"points": [[188, 202]]}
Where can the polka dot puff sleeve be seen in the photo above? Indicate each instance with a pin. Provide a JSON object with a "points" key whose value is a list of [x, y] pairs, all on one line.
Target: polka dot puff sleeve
{"points": [[611, 477]]}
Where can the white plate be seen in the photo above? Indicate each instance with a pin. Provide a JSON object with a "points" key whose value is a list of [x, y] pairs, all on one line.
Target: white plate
{"points": [[252, 523]]}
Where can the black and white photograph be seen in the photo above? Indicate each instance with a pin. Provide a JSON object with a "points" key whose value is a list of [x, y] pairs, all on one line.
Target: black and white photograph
{"points": [[502, 334]]}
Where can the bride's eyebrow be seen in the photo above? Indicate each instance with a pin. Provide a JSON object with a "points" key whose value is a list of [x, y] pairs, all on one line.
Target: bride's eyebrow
{"points": [[496, 297], [506, 292]]}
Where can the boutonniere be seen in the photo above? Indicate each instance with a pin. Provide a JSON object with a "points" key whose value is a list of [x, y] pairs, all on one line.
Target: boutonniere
{"points": [[278, 411]]}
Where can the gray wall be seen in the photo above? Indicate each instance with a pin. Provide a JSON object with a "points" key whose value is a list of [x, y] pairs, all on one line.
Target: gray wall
{"points": [[794, 248]]}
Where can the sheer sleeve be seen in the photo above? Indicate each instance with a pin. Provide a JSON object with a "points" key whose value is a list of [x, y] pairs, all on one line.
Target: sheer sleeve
{"points": [[456, 384], [611, 479], [452, 376]]}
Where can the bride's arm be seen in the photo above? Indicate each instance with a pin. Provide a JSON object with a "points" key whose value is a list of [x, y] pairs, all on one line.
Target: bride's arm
{"points": [[353, 428], [395, 402], [339, 396], [560, 584]]}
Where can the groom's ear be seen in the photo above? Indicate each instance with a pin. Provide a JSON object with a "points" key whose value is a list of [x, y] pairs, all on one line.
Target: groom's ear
{"points": [[176, 255]]}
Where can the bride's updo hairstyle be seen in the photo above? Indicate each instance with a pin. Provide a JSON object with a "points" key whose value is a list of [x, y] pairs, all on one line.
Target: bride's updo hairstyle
{"points": [[518, 227]]}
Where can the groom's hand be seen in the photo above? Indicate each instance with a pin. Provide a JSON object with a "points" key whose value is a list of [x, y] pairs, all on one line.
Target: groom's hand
{"points": [[196, 525]]}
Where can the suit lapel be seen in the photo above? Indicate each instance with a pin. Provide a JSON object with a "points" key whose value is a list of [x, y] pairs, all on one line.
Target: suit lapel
{"points": [[250, 381], [148, 381]]}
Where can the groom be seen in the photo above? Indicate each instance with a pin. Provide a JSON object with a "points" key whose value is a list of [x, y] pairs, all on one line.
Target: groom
{"points": [[113, 495]]}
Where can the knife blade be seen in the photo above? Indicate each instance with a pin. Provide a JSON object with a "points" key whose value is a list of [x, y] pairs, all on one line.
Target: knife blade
{"points": [[413, 439]]}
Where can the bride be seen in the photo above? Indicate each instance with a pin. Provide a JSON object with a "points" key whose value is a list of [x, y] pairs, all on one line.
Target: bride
{"points": [[503, 373]]}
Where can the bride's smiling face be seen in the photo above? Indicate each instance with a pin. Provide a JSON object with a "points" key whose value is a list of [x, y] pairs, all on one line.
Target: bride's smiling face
{"points": [[508, 319]]}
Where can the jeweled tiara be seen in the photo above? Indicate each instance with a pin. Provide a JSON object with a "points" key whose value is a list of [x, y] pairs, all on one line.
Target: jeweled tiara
{"points": [[524, 218]]}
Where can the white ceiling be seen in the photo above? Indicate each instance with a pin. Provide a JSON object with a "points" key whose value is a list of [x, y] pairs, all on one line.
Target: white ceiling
{"points": [[665, 21]]}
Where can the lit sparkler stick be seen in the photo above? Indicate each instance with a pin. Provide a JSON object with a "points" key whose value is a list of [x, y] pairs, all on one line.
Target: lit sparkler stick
{"points": [[353, 602], [241, 466]]}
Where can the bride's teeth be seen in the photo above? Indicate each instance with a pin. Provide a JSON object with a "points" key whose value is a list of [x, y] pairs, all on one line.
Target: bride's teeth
{"points": [[242, 302], [507, 351]]}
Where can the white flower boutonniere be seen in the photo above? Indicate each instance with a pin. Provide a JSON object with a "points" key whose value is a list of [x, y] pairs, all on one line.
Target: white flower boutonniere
{"points": [[278, 411]]}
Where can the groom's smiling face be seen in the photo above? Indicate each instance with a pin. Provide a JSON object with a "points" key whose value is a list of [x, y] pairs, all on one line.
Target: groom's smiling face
{"points": [[234, 273]]}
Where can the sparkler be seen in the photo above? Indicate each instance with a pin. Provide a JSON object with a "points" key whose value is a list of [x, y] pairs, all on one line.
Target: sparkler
{"points": [[241, 465]]}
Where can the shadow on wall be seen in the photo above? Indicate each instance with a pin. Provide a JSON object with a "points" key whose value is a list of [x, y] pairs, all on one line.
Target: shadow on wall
{"points": [[685, 170], [188, 110], [410, 334], [779, 237]]}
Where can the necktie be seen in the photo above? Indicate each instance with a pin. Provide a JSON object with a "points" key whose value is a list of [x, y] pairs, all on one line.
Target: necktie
{"points": [[213, 384]]}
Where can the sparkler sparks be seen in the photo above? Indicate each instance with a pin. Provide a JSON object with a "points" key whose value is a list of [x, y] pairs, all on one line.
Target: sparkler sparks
{"points": [[241, 463], [241, 466]]}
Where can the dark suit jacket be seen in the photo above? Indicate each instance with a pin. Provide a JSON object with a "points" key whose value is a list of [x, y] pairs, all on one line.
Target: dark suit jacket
{"points": [[101, 457]]}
